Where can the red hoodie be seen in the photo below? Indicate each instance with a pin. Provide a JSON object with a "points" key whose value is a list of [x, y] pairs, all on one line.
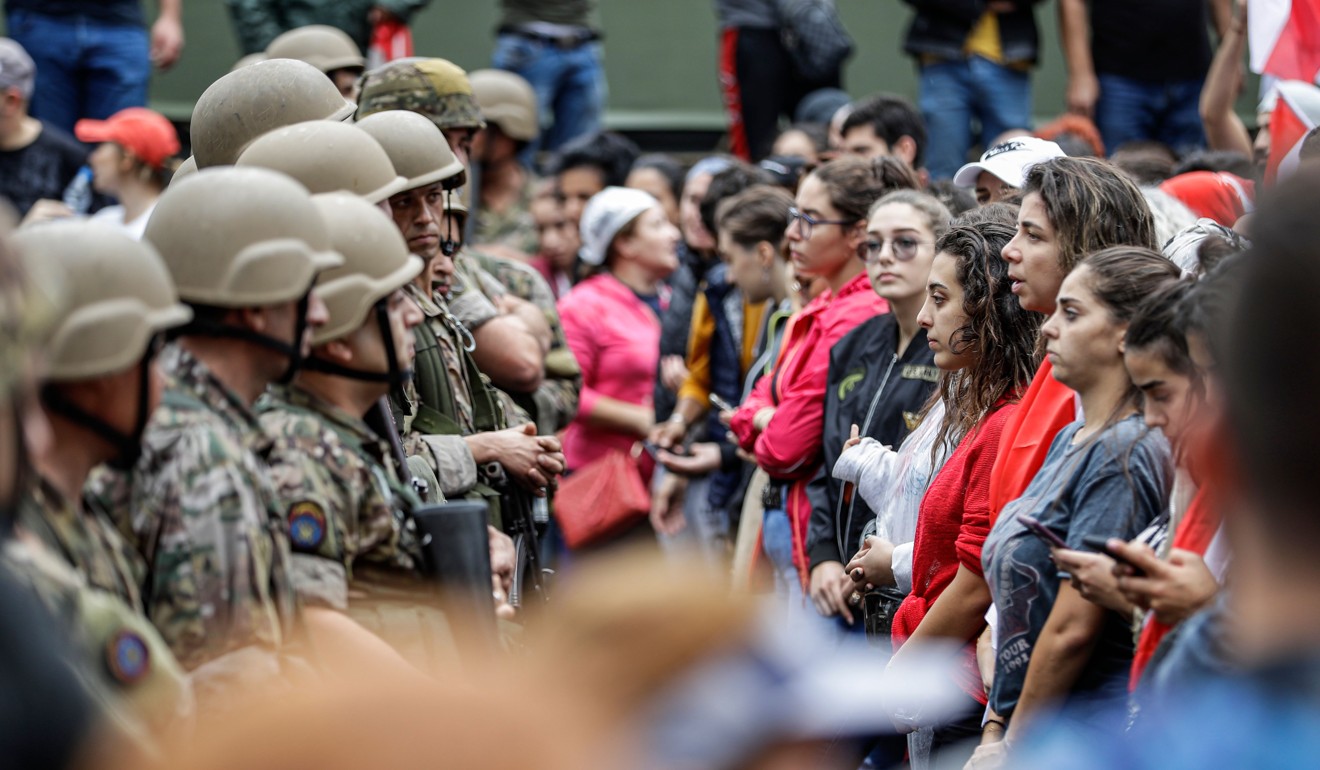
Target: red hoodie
{"points": [[789, 447], [1046, 407]]}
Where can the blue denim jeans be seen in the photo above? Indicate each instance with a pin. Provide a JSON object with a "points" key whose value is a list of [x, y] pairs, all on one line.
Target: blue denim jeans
{"points": [[1136, 109], [954, 92], [569, 84], [85, 69], [777, 542]]}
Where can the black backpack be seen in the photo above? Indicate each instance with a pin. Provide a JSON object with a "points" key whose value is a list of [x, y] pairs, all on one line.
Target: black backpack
{"points": [[814, 37]]}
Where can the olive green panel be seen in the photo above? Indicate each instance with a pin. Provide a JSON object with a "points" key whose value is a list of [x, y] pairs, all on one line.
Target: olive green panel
{"points": [[660, 56]]}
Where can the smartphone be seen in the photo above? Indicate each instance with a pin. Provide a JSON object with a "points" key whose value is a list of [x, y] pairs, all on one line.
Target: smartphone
{"points": [[721, 404], [1041, 531], [654, 451], [1101, 544]]}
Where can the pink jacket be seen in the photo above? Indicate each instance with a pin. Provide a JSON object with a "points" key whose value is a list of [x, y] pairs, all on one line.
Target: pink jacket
{"points": [[789, 447], [616, 339]]}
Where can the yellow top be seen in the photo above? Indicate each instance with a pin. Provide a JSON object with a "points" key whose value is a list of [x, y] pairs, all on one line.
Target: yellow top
{"points": [[697, 384], [983, 40]]}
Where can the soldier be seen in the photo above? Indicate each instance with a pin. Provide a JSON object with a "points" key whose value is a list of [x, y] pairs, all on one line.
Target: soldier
{"points": [[50, 714], [454, 400], [441, 92], [355, 548], [98, 391], [255, 100], [329, 49], [243, 247], [504, 217]]}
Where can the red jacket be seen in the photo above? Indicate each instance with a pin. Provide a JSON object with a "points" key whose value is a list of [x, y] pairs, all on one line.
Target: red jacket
{"points": [[789, 447], [951, 529], [1045, 408]]}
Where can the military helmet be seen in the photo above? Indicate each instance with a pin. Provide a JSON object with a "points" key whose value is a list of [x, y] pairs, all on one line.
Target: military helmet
{"points": [[31, 293], [240, 237], [118, 295], [249, 60], [257, 99], [508, 101], [436, 88], [188, 166], [324, 47], [326, 157], [417, 148], [376, 262]]}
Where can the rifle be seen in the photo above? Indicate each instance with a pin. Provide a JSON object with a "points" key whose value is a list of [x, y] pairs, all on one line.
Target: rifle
{"points": [[453, 538]]}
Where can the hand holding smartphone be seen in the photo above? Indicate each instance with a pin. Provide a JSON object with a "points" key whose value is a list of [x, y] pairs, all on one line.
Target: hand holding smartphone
{"points": [[1101, 544], [721, 404]]}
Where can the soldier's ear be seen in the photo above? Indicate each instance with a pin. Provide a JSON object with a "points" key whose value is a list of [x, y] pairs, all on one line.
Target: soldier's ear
{"points": [[338, 351]]}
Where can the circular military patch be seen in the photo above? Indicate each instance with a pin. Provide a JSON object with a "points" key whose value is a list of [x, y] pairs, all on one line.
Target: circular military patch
{"points": [[127, 657], [306, 525]]}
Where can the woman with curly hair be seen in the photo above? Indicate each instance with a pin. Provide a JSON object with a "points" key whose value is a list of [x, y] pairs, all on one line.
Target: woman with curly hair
{"points": [[985, 345]]}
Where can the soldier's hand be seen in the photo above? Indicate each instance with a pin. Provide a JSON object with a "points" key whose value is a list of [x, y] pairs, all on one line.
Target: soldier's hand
{"points": [[503, 559], [519, 450]]}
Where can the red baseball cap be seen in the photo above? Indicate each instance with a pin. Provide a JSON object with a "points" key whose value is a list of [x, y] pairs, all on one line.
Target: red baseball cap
{"points": [[147, 134]]}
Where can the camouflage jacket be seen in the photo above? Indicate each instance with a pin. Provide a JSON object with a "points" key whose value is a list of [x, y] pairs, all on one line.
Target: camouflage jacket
{"points": [[202, 512], [120, 657], [337, 485], [554, 404], [86, 540], [514, 228]]}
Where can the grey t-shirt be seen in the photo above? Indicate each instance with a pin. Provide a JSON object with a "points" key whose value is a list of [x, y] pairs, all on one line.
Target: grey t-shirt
{"points": [[1110, 486]]}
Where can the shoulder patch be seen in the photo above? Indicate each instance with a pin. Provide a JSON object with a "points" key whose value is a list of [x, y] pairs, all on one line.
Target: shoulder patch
{"points": [[920, 372], [306, 525], [127, 657], [849, 383]]}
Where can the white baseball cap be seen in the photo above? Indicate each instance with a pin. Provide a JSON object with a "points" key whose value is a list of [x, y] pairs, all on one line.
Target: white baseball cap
{"points": [[605, 215], [1009, 161]]}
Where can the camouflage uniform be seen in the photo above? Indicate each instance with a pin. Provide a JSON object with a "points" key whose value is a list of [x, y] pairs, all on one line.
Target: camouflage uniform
{"points": [[514, 227], [85, 575], [554, 404], [355, 548], [202, 511]]}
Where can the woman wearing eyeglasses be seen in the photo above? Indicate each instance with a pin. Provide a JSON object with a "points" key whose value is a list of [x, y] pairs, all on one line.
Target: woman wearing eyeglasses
{"points": [[881, 375], [781, 422]]}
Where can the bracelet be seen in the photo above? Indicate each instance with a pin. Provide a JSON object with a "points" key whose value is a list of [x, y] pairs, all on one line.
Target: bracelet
{"points": [[677, 419], [1002, 726]]}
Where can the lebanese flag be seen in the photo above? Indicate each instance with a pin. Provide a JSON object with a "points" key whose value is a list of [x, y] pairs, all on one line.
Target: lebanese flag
{"points": [[1295, 114], [1284, 38]]}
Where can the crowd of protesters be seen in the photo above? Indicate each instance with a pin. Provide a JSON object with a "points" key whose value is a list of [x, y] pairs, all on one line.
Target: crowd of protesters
{"points": [[386, 425]]}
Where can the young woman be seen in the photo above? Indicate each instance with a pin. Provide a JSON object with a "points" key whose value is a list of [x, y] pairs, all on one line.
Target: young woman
{"points": [[1071, 207], [881, 375], [781, 421], [985, 347], [1173, 390], [1106, 475], [132, 164], [612, 321], [750, 227]]}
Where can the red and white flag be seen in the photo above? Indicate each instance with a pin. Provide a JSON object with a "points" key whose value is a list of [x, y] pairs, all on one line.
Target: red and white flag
{"points": [[1295, 114], [1284, 38]]}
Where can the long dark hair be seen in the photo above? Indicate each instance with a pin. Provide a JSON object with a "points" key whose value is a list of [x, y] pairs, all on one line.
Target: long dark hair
{"points": [[1001, 333], [1091, 205]]}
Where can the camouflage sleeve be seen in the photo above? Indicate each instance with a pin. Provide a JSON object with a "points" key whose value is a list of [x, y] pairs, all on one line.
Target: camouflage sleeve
{"points": [[311, 489], [449, 457], [470, 300], [255, 24], [210, 552]]}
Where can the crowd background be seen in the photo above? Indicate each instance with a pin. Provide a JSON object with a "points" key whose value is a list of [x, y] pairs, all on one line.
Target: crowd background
{"points": [[987, 420]]}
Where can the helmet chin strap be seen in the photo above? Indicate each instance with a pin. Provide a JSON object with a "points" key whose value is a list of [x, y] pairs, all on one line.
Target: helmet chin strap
{"points": [[396, 375], [128, 446], [291, 351]]}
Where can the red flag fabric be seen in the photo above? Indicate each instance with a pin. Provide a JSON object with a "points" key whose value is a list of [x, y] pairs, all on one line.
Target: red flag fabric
{"points": [[1296, 51], [390, 39], [1295, 114]]}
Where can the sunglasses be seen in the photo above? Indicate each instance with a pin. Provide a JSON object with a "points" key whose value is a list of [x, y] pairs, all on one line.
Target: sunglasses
{"points": [[904, 248]]}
